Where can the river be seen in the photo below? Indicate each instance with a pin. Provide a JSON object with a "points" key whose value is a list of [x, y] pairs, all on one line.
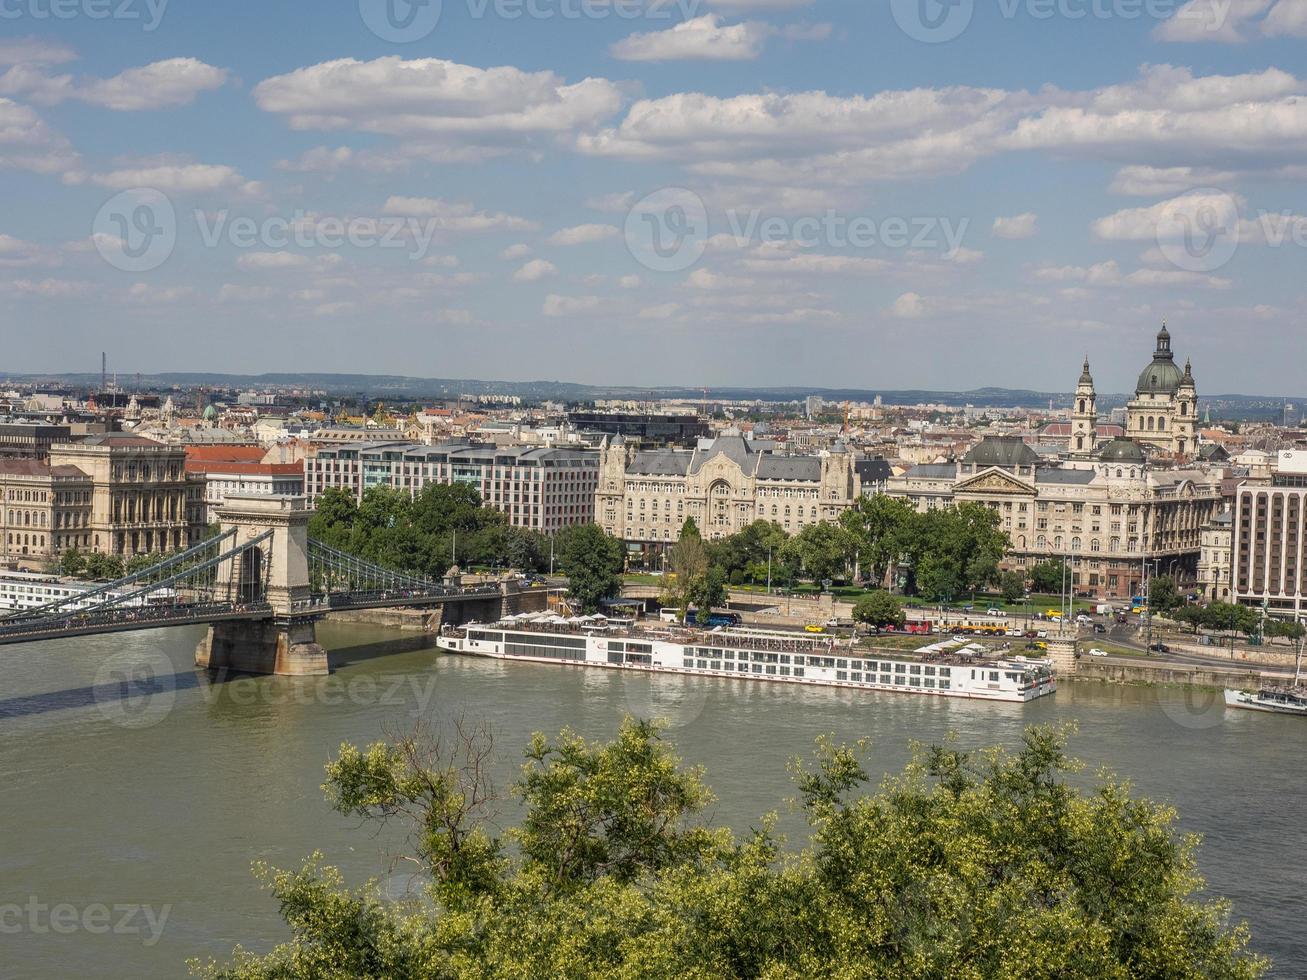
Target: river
{"points": [[130, 817]]}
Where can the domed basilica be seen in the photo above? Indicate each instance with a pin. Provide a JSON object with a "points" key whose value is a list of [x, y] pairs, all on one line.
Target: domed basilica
{"points": [[1163, 414]]}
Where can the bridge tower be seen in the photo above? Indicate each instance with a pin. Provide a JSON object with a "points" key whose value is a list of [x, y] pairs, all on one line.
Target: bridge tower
{"points": [[277, 571]]}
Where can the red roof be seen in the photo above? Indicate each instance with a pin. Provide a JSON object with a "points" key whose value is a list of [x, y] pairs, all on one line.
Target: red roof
{"points": [[224, 466], [228, 454]]}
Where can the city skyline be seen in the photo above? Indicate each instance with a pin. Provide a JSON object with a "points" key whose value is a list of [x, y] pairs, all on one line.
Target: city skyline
{"points": [[885, 204]]}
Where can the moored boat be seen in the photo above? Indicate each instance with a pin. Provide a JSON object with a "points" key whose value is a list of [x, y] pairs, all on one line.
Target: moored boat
{"points": [[756, 655], [1281, 700]]}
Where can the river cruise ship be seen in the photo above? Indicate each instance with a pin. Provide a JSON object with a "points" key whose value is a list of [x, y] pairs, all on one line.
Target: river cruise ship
{"points": [[756, 655]]}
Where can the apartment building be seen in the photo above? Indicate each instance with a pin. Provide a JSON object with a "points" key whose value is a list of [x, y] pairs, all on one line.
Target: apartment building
{"points": [[1268, 539], [537, 488]]}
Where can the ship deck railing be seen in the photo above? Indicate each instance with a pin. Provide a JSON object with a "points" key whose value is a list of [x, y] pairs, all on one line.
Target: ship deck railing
{"points": [[743, 640]]}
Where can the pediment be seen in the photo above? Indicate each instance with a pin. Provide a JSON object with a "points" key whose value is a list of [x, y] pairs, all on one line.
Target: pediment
{"points": [[994, 480]]}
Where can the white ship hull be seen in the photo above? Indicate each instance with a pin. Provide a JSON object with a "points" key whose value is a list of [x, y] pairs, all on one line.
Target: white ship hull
{"points": [[769, 657], [1261, 701]]}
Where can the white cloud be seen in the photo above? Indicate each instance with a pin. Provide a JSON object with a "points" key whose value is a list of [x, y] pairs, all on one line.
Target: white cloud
{"points": [[629, 282], [616, 203], [26, 143], [1166, 117], [1205, 211], [1016, 227], [1234, 21], [263, 261], [909, 306], [34, 51], [441, 102], [518, 251], [555, 305], [535, 270], [584, 234], [454, 215], [703, 38], [1141, 181], [178, 178], [161, 85], [16, 253], [1101, 274]]}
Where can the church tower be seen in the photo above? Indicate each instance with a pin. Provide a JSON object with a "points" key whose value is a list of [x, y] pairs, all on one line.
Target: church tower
{"points": [[1084, 414], [1186, 413]]}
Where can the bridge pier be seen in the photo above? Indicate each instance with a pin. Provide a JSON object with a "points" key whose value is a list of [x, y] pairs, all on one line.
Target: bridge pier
{"points": [[263, 646], [277, 570]]}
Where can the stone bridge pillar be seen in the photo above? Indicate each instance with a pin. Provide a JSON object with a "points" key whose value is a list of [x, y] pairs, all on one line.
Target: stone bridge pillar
{"points": [[285, 642]]}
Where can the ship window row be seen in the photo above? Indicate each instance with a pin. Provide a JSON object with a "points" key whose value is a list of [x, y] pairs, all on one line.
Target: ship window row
{"points": [[539, 650], [566, 642]]}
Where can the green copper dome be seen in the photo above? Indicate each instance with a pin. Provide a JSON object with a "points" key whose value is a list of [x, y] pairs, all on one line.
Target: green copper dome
{"points": [[1161, 377]]}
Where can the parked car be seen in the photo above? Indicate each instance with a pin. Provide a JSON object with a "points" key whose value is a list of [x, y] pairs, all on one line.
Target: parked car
{"points": [[1100, 628], [815, 628], [991, 611], [1159, 648], [1096, 652]]}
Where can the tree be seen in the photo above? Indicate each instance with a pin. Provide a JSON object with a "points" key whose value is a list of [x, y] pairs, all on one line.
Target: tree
{"points": [[687, 563], [987, 864], [100, 566], [1013, 586], [592, 562], [1191, 616], [879, 609], [819, 550], [939, 577], [877, 527], [1162, 595], [690, 530], [709, 590], [1047, 576], [72, 563], [1283, 629]]}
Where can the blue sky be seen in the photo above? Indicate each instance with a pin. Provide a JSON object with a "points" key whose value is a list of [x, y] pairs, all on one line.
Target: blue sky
{"points": [[842, 193]]}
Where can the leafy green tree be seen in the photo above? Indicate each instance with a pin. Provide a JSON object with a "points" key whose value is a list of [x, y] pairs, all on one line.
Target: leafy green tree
{"points": [[1162, 595], [939, 577], [100, 566], [1191, 616], [72, 563], [687, 563], [988, 864], [690, 530], [1283, 629], [1047, 576], [877, 528], [879, 609], [592, 562], [1013, 586], [819, 551], [709, 591], [748, 550], [140, 562], [1230, 616]]}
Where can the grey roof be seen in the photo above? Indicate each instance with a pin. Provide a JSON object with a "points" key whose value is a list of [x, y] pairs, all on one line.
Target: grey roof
{"points": [[1224, 518], [873, 470], [934, 471], [734, 448], [1064, 476], [1213, 451], [1001, 451], [667, 462], [1162, 376], [789, 468]]}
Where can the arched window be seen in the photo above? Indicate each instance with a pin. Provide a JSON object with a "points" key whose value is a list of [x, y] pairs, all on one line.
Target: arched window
{"points": [[1161, 424], [1150, 423], [1094, 545], [1075, 544]]}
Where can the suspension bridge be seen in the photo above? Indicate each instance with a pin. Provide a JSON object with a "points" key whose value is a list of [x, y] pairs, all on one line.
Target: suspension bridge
{"points": [[260, 585]]}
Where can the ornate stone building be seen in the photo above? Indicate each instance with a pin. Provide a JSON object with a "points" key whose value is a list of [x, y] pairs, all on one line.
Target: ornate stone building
{"points": [[1108, 515], [645, 496], [142, 500], [1164, 412]]}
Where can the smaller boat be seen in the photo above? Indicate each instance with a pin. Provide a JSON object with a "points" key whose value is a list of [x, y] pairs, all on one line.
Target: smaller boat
{"points": [[1282, 700]]}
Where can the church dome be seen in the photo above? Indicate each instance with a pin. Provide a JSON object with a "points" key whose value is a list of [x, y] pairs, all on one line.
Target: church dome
{"points": [[1121, 450], [1161, 376]]}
